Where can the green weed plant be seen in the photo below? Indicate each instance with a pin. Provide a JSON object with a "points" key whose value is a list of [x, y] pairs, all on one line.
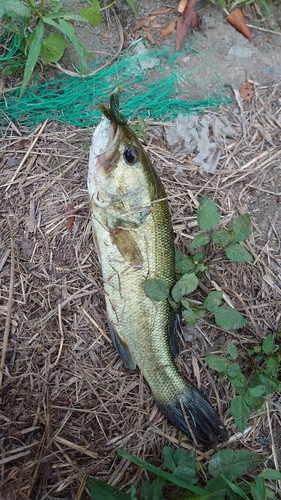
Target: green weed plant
{"points": [[234, 4], [181, 478], [190, 268], [254, 389], [31, 19]]}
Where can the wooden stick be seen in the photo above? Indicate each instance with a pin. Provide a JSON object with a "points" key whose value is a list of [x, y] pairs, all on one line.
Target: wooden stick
{"points": [[27, 153], [9, 308]]}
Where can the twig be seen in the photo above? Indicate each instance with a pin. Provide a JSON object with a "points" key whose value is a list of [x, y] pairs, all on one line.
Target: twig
{"points": [[264, 29], [55, 179], [274, 454], [76, 447], [75, 295], [258, 167], [9, 307], [27, 153], [15, 457], [61, 333]]}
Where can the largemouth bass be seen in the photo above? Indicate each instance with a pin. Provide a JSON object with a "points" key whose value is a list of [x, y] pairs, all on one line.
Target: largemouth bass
{"points": [[133, 236]]}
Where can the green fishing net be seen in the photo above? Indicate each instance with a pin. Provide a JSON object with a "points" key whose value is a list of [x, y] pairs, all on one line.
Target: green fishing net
{"points": [[151, 85]]}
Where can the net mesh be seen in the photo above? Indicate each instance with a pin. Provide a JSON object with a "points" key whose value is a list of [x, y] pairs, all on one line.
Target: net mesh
{"points": [[157, 92]]}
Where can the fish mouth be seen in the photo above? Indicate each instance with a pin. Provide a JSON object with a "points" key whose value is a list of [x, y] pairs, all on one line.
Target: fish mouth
{"points": [[105, 143]]}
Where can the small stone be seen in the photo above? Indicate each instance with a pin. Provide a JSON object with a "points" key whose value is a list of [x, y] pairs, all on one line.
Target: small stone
{"points": [[241, 52]]}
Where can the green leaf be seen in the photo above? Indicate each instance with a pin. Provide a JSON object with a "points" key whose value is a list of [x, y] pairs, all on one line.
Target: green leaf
{"points": [[232, 464], [174, 305], [241, 228], [260, 486], [245, 487], [240, 412], [16, 9], [185, 266], [271, 474], [168, 458], [179, 256], [199, 311], [133, 492], [160, 473], [232, 351], [182, 456], [252, 402], [67, 29], [189, 315], [238, 381], [236, 489], [217, 362], [33, 55], [146, 491], [201, 268], [208, 216], [256, 350], [222, 237], [102, 491], [218, 486], [199, 257], [199, 240], [52, 49], [63, 14], [257, 391], [92, 13], [237, 253], [266, 8], [233, 370], [270, 383], [213, 300], [156, 289], [268, 344], [132, 5], [228, 318], [57, 6], [272, 366], [186, 284], [184, 465], [157, 488]]}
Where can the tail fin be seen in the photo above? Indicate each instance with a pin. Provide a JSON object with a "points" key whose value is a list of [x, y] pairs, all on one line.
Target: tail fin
{"points": [[192, 413]]}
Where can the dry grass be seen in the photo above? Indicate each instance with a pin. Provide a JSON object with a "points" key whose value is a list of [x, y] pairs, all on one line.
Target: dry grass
{"points": [[67, 399]]}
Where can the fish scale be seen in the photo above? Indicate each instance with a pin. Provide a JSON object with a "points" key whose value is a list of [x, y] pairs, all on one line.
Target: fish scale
{"points": [[133, 235]]}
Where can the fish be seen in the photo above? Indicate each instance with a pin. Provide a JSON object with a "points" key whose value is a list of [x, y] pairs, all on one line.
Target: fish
{"points": [[133, 236]]}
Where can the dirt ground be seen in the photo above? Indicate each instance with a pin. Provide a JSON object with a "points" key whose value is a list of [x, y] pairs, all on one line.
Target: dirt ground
{"points": [[67, 401], [220, 54]]}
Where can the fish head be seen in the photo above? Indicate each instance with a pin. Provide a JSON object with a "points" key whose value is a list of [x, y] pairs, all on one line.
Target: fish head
{"points": [[119, 169]]}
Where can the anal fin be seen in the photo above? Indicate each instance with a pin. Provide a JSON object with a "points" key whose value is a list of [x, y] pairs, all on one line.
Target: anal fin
{"points": [[172, 333], [123, 349]]}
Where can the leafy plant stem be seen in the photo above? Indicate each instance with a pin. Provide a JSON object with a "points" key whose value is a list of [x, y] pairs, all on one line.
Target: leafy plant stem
{"points": [[36, 11], [10, 28]]}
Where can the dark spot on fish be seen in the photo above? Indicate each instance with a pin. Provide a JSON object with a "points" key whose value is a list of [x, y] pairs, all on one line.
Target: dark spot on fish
{"points": [[130, 155]]}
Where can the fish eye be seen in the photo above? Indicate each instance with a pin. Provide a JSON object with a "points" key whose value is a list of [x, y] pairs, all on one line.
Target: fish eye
{"points": [[130, 155]]}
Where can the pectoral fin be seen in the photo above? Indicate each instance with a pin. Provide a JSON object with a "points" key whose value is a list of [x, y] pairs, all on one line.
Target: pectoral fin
{"points": [[123, 349], [126, 245]]}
